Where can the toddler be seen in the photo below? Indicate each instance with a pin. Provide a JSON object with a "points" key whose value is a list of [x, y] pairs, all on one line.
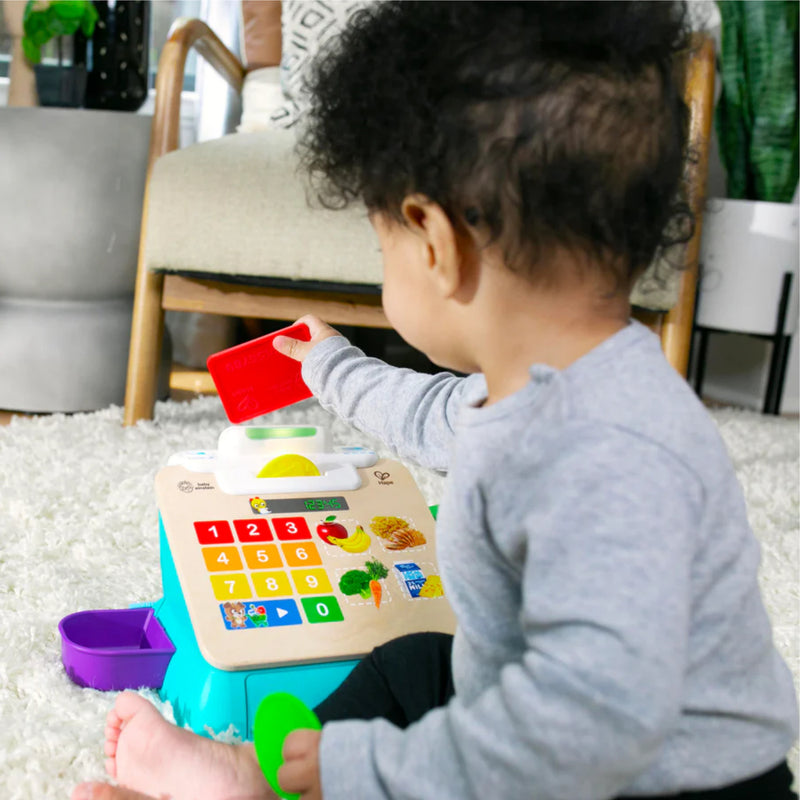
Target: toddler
{"points": [[521, 164]]}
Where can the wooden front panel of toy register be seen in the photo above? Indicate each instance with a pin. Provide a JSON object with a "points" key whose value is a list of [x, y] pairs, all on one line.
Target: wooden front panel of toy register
{"points": [[276, 580]]}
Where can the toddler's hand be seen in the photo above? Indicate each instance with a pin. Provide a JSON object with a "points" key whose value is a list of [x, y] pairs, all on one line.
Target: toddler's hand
{"points": [[300, 770], [298, 350]]}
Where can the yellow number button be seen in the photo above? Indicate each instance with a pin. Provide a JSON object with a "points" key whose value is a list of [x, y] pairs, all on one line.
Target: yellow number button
{"points": [[311, 581], [231, 587], [222, 559], [271, 584]]}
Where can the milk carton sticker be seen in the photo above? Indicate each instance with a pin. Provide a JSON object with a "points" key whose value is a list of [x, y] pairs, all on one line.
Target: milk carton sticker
{"points": [[411, 575]]}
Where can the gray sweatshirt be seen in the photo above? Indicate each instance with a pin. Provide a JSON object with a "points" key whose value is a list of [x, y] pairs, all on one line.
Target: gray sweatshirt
{"points": [[594, 545]]}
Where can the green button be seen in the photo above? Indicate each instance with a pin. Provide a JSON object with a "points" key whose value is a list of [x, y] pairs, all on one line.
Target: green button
{"points": [[322, 609], [277, 716], [279, 433]]}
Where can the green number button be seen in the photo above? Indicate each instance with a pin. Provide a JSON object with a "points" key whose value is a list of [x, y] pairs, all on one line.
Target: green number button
{"points": [[322, 609]]}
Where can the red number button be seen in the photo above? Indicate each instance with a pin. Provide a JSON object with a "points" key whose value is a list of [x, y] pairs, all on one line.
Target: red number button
{"points": [[252, 530], [214, 532], [291, 528]]}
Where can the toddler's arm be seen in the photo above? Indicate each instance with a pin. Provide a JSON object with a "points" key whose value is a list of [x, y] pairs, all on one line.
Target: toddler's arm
{"points": [[413, 413], [600, 544]]}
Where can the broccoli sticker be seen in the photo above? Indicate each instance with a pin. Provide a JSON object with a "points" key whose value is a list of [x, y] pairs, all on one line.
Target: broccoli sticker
{"points": [[365, 582]]}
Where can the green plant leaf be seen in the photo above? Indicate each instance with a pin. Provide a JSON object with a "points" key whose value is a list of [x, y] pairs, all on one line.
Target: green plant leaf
{"points": [[757, 113], [45, 21], [32, 52], [70, 9], [89, 20]]}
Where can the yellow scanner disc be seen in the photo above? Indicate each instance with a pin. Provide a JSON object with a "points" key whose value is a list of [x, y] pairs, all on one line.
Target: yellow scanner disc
{"points": [[288, 465]]}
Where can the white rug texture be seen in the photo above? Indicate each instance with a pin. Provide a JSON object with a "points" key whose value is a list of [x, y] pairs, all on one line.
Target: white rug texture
{"points": [[78, 530]]}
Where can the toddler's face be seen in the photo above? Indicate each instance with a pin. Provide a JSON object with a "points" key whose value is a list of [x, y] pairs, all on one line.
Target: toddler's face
{"points": [[410, 300]]}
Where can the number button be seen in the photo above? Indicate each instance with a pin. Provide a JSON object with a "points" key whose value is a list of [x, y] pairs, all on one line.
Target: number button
{"points": [[231, 587], [271, 584], [311, 581], [252, 530], [291, 528], [265, 556], [222, 559], [322, 609], [214, 532], [301, 554]]}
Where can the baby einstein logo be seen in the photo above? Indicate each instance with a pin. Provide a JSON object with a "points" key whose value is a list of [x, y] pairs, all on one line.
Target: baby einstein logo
{"points": [[259, 505]]}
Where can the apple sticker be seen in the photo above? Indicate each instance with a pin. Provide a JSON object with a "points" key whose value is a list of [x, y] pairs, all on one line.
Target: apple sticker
{"points": [[328, 529]]}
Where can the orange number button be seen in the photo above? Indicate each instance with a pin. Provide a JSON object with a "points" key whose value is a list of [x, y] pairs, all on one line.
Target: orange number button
{"points": [[301, 554], [262, 556], [222, 559]]}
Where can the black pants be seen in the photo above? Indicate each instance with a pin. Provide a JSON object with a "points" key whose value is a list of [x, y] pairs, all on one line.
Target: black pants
{"points": [[379, 686]]}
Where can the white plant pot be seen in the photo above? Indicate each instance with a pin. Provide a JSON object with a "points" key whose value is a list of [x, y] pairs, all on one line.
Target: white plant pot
{"points": [[71, 189], [747, 247]]}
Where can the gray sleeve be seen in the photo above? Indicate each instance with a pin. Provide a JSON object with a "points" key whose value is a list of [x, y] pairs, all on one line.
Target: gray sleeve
{"points": [[588, 705], [413, 413]]}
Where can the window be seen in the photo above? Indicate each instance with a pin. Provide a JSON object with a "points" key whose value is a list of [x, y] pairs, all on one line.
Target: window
{"points": [[162, 14], [5, 48]]}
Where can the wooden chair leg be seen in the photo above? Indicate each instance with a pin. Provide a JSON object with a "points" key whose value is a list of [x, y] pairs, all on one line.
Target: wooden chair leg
{"points": [[147, 334]]}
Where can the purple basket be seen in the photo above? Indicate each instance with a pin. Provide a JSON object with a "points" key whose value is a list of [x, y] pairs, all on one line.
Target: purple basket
{"points": [[115, 649]]}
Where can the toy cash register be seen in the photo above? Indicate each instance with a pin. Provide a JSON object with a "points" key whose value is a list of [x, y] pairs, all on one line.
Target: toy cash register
{"points": [[283, 562]]}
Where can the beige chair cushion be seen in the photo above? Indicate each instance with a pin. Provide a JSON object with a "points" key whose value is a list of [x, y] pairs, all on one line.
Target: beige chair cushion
{"points": [[237, 206]]}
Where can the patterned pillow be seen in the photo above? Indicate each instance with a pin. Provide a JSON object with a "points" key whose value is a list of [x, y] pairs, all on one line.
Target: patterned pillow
{"points": [[306, 25]]}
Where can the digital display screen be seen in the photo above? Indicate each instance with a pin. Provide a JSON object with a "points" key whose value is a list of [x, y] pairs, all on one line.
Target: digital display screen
{"points": [[306, 504]]}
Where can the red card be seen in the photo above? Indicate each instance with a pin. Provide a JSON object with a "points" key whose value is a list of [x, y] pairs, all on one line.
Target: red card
{"points": [[254, 378]]}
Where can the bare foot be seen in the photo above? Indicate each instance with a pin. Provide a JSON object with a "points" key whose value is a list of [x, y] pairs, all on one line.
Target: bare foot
{"points": [[150, 755]]}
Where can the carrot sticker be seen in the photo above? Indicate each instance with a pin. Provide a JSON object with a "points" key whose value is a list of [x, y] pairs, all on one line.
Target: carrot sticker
{"points": [[376, 591]]}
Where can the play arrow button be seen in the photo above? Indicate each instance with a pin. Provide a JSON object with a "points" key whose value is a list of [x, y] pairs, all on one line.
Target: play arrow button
{"points": [[281, 612]]}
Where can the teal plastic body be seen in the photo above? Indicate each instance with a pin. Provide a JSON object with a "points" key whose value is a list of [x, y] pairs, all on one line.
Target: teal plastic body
{"points": [[211, 700]]}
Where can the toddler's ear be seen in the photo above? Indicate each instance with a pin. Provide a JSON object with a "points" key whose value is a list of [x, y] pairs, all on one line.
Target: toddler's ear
{"points": [[445, 248]]}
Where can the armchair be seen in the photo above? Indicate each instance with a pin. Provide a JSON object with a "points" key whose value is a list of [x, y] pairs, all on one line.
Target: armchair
{"points": [[226, 228]]}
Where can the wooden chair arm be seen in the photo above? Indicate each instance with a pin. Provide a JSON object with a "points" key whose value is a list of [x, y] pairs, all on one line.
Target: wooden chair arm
{"points": [[677, 325], [184, 35]]}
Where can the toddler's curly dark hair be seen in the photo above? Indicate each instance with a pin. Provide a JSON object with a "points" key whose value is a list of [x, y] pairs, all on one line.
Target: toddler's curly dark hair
{"points": [[536, 125]]}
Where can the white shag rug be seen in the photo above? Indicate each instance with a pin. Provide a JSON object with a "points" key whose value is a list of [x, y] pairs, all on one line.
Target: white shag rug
{"points": [[78, 529]]}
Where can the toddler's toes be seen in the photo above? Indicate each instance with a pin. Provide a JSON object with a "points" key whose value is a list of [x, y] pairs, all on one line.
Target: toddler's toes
{"points": [[111, 767], [113, 719], [111, 733]]}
